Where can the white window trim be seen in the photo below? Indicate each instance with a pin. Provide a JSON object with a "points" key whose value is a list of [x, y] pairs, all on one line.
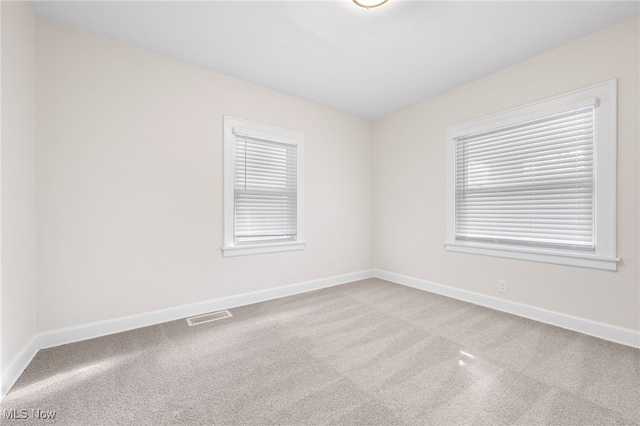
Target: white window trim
{"points": [[270, 132], [605, 163]]}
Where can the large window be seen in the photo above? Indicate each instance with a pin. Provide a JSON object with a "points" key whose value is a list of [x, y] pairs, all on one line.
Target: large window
{"points": [[262, 188], [537, 182]]}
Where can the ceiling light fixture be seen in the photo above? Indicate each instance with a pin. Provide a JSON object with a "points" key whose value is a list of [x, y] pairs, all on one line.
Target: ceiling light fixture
{"points": [[368, 4]]}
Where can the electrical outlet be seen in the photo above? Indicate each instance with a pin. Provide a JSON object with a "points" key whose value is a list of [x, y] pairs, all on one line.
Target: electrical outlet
{"points": [[503, 286]]}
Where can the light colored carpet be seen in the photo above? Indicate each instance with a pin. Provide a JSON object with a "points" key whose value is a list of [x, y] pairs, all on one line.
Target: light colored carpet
{"points": [[369, 352]]}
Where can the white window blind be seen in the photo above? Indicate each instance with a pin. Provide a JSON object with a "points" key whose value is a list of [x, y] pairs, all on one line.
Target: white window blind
{"points": [[265, 175], [529, 183]]}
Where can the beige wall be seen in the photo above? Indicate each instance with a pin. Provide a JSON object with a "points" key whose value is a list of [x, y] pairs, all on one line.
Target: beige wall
{"points": [[409, 183], [129, 182], [17, 176]]}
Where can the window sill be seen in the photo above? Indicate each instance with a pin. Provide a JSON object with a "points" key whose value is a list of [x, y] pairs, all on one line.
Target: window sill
{"points": [[229, 251], [546, 256]]}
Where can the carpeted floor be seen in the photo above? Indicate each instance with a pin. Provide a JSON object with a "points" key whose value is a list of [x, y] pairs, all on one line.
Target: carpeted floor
{"points": [[365, 353]]}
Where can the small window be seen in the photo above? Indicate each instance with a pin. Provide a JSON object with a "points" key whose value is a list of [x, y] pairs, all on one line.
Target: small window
{"points": [[537, 182], [262, 188]]}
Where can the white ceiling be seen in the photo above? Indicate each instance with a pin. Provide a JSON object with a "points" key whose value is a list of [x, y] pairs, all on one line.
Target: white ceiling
{"points": [[366, 62]]}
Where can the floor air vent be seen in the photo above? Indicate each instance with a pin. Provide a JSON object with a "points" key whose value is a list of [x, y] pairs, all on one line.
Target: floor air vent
{"points": [[213, 316]]}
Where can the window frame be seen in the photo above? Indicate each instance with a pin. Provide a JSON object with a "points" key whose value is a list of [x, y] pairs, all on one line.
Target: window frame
{"points": [[605, 179], [264, 131]]}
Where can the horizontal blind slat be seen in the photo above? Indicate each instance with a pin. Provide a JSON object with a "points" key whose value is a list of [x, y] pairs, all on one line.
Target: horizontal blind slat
{"points": [[265, 190], [528, 183]]}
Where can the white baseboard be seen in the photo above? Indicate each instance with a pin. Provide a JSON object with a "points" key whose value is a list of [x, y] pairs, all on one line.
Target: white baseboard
{"points": [[18, 364], [102, 328], [624, 336], [63, 336]]}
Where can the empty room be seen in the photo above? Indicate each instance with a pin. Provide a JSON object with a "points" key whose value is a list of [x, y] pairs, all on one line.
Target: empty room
{"points": [[354, 212]]}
